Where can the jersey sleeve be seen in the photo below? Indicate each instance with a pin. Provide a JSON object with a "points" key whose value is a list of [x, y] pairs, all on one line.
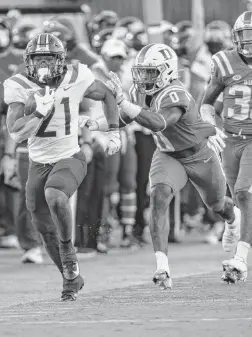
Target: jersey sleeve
{"points": [[85, 77], [174, 98], [221, 67], [13, 92]]}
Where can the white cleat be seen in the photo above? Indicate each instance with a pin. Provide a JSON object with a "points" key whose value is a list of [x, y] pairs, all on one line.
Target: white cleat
{"points": [[231, 233], [235, 270], [162, 279], [33, 255]]}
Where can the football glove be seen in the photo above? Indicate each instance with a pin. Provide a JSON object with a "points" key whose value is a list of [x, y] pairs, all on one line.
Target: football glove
{"points": [[115, 85], [114, 142], [217, 141], [44, 104]]}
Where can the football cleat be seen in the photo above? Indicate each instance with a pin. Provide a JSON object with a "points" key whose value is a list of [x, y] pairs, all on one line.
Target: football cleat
{"points": [[231, 233], [235, 270], [162, 278], [71, 289]]}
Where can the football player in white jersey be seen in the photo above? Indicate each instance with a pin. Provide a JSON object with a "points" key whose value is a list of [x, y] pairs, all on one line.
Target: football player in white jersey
{"points": [[57, 166]]}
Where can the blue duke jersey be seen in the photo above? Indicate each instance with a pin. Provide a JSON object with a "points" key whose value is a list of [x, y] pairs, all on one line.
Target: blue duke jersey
{"points": [[57, 136], [189, 130], [229, 69]]}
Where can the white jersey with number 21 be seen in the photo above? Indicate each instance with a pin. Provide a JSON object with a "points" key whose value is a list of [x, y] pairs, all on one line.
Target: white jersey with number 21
{"points": [[57, 137]]}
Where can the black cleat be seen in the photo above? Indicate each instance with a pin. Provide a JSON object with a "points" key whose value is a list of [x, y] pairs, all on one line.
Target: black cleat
{"points": [[71, 289]]}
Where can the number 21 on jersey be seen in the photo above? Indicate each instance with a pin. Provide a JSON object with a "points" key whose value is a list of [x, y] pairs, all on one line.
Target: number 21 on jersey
{"points": [[64, 105]]}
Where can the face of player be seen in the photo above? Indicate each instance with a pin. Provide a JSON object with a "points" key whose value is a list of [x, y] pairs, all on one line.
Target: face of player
{"points": [[245, 38], [45, 66], [145, 77], [115, 63]]}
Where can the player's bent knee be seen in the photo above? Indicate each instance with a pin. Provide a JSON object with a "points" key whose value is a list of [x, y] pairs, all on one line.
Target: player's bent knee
{"points": [[55, 197], [161, 196]]}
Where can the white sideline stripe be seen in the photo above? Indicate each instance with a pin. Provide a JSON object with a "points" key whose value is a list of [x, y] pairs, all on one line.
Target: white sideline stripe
{"points": [[143, 321]]}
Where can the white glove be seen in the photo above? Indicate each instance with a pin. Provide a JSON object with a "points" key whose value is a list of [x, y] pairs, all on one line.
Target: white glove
{"points": [[44, 104], [115, 86], [114, 142], [217, 141]]}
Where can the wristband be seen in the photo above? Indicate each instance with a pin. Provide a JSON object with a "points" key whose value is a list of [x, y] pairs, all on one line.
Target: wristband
{"points": [[113, 126], [131, 109], [38, 114]]}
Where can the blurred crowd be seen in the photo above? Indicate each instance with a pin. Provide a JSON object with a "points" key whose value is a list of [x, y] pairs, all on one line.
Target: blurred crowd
{"points": [[110, 208]]}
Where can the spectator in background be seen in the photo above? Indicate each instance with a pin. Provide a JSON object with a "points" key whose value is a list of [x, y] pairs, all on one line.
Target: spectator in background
{"points": [[9, 60], [120, 169], [90, 192], [103, 20], [99, 39], [9, 184], [134, 32], [29, 239], [65, 30]]}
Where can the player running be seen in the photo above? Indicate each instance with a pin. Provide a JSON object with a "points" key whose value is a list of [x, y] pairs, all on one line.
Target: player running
{"points": [[232, 75], [162, 105], [57, 166]]}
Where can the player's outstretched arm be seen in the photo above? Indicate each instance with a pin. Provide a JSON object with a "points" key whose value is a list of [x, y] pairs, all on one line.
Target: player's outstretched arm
{"points": [[154, 121], [98, 91], [19, 126]]}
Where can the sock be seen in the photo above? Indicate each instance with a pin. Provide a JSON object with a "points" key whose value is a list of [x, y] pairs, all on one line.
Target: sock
{"points": [[52, 248], [242, 250], [69, 260], [162, 261], [67, 251], [127, 212]]}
